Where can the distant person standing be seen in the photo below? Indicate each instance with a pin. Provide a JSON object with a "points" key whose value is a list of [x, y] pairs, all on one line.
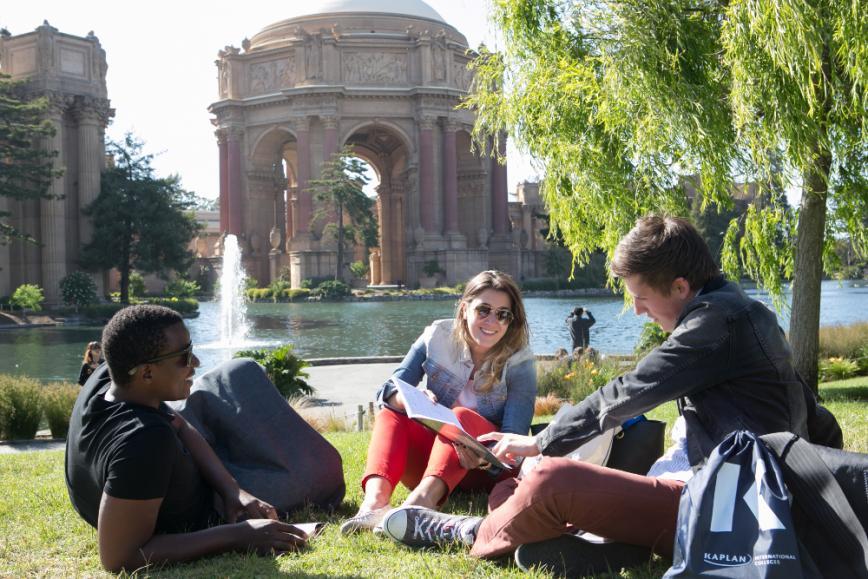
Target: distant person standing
{"points": [[92, 360], [580, 328]]}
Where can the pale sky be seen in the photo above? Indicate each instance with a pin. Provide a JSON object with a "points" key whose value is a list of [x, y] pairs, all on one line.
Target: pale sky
{"points": [[161, 76]]}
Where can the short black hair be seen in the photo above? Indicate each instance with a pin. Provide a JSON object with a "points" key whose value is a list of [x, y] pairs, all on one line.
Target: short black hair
{"points": [[133, 335], [578, 311]]}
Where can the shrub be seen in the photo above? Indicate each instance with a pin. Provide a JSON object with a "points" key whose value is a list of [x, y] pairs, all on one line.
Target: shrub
{"points": [[28, 296], [20, 407], [297, 294], [180, 305], [432, 268], [652, 336], [332, 290], [78, 289], [284, 369], [574, 380], [101, 311], [843, 341], [182, 288], [58, 400], [837, 369], [137, 285], [261, 293], [547, 405], [250, 283], [359, 269], [277, 287]]}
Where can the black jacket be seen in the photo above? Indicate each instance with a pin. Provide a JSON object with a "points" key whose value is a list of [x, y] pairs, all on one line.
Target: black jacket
{"points": [[728, 365]]}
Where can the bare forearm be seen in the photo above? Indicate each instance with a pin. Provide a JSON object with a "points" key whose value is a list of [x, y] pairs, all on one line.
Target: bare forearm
{"points": [[177, 547]]}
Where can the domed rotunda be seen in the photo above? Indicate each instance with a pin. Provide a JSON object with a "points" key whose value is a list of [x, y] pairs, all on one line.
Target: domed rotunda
{"points": [[383, 77]]}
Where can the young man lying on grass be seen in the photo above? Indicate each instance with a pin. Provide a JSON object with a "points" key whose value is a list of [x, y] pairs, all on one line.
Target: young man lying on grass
{"points": [[149, 482], [726, 362]]}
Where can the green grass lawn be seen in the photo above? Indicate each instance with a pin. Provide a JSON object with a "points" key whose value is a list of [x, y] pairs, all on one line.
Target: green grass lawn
{"points": [[40, 534]]}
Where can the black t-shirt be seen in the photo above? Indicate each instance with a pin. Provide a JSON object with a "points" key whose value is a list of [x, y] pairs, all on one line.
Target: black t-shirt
{"points": [[130, 451]]}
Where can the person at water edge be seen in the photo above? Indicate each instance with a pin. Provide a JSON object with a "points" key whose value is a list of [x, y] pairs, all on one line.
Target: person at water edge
{"points": [[92, 360], [726, 363], [478, 364], [580, 328], [150, 483]]}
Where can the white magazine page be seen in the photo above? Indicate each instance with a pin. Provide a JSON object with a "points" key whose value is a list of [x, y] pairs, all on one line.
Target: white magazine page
{"points": [[418, 405]]}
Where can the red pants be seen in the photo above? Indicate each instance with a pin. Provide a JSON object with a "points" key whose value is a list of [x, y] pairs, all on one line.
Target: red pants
{"points": [[561, 493], [402, 450]]}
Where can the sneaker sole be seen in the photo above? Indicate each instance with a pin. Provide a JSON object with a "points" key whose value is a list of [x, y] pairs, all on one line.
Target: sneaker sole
{"points": [[570, 556]]}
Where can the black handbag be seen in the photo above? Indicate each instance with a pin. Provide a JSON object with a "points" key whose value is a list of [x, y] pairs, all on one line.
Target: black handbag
{"points": [[635, 448]]}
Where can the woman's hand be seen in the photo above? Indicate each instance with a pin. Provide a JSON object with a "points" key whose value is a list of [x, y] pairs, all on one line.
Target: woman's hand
{"points": [[396, 401], [243, 506], [509, 447], [469, 460]]}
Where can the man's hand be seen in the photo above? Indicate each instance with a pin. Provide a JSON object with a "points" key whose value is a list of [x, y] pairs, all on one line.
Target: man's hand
{"points": [[509, 447], [266, 536], [243, 506]]}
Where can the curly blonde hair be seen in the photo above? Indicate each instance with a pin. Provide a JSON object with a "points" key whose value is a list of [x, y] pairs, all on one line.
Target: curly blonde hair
{"points": [[517, 334]]}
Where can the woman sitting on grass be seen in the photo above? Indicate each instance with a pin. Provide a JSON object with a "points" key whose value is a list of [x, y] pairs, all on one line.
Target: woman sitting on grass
{"points": [[478, 364]]}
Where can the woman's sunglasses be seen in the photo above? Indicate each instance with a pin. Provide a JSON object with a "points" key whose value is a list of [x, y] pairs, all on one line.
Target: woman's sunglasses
{"points": [[503, 315], [187, 352]]}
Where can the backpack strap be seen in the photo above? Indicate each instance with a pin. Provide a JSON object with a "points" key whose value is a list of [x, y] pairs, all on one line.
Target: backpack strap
{"points": [[819, 495]]}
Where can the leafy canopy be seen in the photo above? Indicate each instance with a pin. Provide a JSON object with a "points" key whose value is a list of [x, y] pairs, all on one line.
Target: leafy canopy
{"points": [[141, 222], [26, 169]]}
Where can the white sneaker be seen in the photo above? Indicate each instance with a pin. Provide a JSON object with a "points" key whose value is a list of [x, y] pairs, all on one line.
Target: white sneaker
{"points": [[368, 519]]}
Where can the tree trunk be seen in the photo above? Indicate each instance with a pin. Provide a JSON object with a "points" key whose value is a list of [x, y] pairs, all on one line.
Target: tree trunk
{"points": [[808, 275]]}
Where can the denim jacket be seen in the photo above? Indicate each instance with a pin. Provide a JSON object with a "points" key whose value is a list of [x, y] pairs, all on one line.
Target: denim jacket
{"points": [[447, 367], [728, 365]]}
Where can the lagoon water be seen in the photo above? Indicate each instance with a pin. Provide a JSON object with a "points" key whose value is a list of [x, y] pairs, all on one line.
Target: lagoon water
{"points": [[321, 330]]}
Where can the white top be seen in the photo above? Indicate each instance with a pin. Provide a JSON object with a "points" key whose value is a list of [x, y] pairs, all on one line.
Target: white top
{"points": [[416, 8], [467, 397], [674, 464]]}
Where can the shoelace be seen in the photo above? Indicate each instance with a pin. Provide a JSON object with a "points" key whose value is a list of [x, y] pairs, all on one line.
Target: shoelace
{"points": [[434, 531]]}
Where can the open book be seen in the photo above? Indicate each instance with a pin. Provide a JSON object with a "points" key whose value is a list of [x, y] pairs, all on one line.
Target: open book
{"points": [[310, 530], [441, 420]]}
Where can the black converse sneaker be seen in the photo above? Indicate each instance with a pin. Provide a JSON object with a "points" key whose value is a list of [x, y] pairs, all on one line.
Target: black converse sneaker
{"points": [[421, 527]]}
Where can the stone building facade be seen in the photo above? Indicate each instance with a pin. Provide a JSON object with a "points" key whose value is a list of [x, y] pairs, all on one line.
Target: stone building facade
{"points": [[70, 71], [385, 77]]}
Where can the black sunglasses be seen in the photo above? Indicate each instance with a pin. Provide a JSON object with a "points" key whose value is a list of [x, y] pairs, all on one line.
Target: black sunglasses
{"points": [[187, 351], [503, 315]]}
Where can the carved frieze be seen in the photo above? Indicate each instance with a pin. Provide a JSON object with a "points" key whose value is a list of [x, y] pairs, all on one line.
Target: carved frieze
{"points": [[461, 75], [270, 76], [374, 68]]}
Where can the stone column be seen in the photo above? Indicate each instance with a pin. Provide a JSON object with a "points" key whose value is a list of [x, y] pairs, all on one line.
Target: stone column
{"points": [[499, 197], [450, 178], [330, 137], [235, 211], [375, 264], [223, 153], [302, 173], [52, 213], [90, 153], [426, 174]]}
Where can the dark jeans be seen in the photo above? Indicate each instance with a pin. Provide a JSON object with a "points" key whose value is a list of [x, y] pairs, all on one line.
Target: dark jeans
{"points": [[269, 449], [561, 495]]}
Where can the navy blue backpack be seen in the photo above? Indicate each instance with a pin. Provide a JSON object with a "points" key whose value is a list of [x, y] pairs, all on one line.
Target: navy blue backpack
{"points": [[734, 518]]}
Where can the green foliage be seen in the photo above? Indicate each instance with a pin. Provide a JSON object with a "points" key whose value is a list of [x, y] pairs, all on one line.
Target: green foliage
{"points": [[340, 191], [837, 369], [28, 297], [619, 101], [284, 369], [26, 169], [180, 305], [277, 288], [254, 294], [78, 289], [141, 222], [251, 282], [137, 285], [574, 380], [182, 288], [285, 274], [297, 294], [57, 401], [359, 269], [332, 290], [432, 268], [20, 407], [652, 336]]}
